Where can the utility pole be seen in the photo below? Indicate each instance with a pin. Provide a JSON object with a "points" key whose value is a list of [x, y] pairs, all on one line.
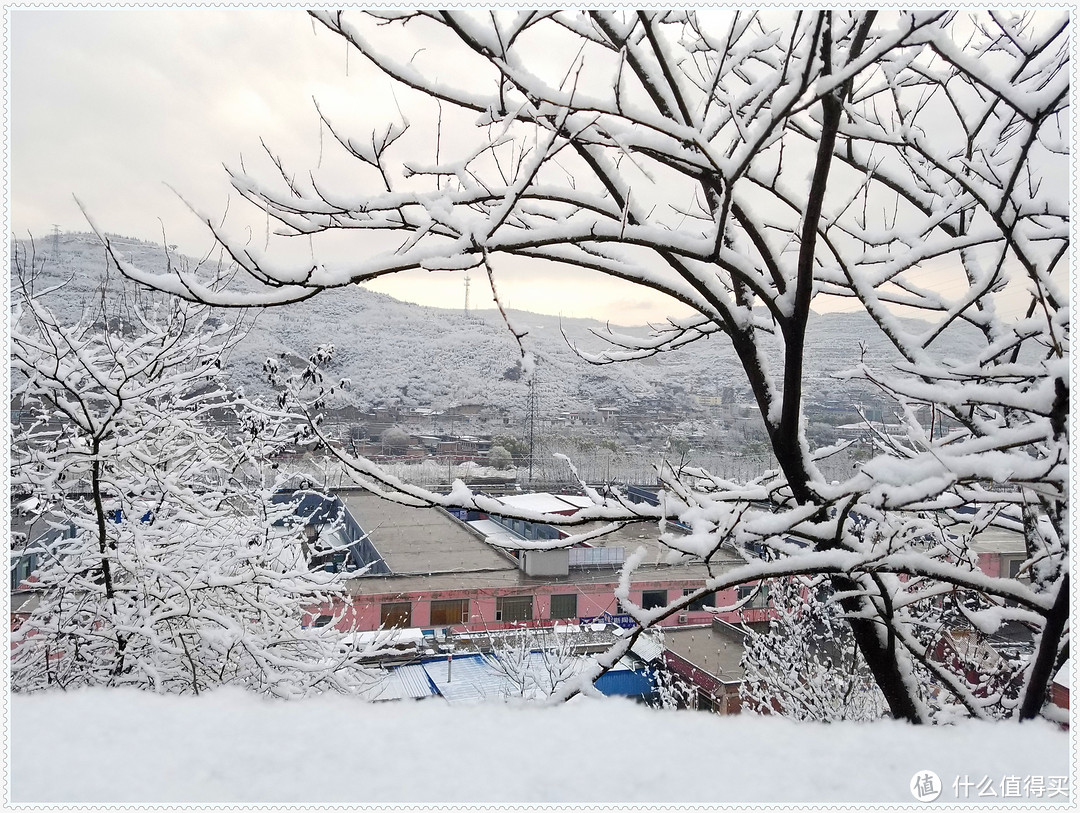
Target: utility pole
{"points": [[55, 238], [467, 281]]}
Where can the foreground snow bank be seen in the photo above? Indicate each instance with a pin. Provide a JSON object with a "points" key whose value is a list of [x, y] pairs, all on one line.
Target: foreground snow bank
{"points": [[102, 745]]}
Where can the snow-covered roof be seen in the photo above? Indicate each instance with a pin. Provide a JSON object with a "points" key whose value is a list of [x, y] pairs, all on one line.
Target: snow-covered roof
{"points": [[544, 502], [648, 647], [996, 540], [473, 679], [576, 499], [494, 533], [29, 505], [313, 507], [404, 682], [387, 637], [887, 428], [716, 650], [1063, 677], [403, 537]]}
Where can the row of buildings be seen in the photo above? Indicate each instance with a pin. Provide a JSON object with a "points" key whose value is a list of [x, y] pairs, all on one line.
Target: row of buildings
{"points": [[458, 573], [430, 568], [451, 580]]}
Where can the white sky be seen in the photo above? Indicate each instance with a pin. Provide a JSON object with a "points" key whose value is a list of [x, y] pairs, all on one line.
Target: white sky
{"points": [[116, 106]]}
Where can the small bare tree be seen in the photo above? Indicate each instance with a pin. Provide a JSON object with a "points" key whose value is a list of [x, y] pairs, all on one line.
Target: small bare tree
{"points": [[534, 662]]}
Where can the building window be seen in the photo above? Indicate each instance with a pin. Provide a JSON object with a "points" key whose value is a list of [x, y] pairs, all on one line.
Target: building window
{"points": [[330, 561], [699, 604], [395, 614], [450, 611], [651, 599], [22, 569], [514, 608], [759, 601], [564, 606], [322, 620]]}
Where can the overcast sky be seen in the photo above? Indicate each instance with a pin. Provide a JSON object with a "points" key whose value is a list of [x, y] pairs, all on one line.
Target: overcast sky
{"points": [[117, 106]]}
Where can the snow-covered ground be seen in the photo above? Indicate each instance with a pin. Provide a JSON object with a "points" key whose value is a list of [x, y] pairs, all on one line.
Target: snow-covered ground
{"points": [[102, 745]]}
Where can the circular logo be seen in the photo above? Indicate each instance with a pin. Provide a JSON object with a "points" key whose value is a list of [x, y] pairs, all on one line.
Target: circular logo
{"points": [[925, 786]]}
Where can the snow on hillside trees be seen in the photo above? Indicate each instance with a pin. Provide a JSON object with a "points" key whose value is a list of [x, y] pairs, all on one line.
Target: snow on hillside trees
{"points": [[500, 458], [170, 566], [747, 165], [395, 441]]}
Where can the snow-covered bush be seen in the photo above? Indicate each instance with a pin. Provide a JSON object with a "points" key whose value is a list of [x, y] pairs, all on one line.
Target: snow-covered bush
{"points": [[395, 440], [500, 458]]}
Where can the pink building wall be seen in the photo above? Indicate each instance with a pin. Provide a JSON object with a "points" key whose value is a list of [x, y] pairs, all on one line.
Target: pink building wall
{"points": [[990, 564], [363, 612]]}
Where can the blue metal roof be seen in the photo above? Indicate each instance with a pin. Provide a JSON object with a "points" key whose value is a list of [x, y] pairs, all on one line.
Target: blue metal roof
{"points": [[625, 683], [311, 506]]}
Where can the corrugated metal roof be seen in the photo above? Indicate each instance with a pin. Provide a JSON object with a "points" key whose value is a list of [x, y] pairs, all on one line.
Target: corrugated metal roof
{"points": [[471, 680], [625, 682], [474, 678], [648, 647], [403, 682]]}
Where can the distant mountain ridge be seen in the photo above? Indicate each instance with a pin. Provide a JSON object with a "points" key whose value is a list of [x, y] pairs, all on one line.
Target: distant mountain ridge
{"points": [[398, 353]]}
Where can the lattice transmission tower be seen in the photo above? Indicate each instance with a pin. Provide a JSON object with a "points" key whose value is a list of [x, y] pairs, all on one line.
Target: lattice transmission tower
{"points": [[532, 427]]}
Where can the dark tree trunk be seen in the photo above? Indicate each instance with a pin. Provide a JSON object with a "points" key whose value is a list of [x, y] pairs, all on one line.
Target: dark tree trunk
{"points": [[103, 545], [880, 657], [1042, 668]]}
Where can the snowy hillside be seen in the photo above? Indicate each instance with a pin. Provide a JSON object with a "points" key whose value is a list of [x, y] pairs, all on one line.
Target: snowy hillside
{"points": [[399, 353]]}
